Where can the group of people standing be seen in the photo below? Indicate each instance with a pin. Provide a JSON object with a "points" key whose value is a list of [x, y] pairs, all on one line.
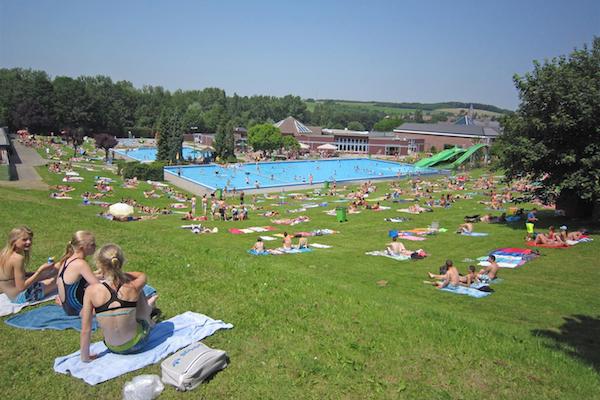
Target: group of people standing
{"points": [[114, 296]]}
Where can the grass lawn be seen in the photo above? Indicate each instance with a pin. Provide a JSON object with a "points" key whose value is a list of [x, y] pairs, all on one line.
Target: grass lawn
{"points": [[317, 325], [4, 172]]}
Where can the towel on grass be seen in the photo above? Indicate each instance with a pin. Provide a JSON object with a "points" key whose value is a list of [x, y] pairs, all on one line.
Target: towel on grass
{"points": [[474, 234], [7, 307], [166, 338], [386, 254], [469, 291], [320, 246], [278, 251], [268, 238], [252, 229], [47, 317], [549, 246]]}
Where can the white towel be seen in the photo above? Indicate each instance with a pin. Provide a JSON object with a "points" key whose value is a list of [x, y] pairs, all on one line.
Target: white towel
{"points": [[166, 338], [320, 246], [7, 307]]}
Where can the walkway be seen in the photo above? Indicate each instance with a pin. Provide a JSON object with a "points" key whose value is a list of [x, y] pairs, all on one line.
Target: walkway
{"points": [[26, 159]]}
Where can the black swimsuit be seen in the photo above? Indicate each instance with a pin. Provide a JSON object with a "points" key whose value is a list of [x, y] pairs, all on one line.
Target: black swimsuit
{"points": [[113, 298]]}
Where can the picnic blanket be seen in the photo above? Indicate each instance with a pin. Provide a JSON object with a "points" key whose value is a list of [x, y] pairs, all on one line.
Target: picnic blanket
{"points": [[7, 307], [384, 253], [166, 338], [252, 229], [476, 234], [469, 291], [509, 257], [47, 317], [279, 251]]}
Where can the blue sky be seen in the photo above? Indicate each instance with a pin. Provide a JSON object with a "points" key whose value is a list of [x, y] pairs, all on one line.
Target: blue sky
{"points": [[357, 50]]}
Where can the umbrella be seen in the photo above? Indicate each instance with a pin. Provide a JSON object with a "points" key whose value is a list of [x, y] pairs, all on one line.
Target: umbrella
{"points": [[121, 210], [327, 146], [304, 146]]}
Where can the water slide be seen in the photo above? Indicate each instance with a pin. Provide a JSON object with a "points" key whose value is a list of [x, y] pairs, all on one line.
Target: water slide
{"points": [[466, 155], [439, 157]]}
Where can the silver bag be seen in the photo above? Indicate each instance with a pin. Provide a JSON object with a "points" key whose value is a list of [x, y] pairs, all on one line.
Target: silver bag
{"points": [[192, 365]]}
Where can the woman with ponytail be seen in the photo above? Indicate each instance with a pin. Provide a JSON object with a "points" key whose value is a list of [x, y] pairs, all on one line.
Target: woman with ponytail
{"points": [[121, 308], [21, 286], [75, 273]]}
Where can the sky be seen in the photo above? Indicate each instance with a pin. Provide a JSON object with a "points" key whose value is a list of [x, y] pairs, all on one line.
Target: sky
{"points": [[399, 51]]}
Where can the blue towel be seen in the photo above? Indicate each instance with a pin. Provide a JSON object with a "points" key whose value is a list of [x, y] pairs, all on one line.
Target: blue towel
{"points": [[166, 338], [474, 234], [47, 317], [468, 291], [258, 253]]}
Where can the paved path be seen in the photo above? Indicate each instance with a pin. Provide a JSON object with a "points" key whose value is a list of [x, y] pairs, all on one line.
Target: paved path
{"points": [[26, 159]]}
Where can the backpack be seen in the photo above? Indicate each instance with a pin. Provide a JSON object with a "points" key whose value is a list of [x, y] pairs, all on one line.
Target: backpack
{"points": [[192, 365]]}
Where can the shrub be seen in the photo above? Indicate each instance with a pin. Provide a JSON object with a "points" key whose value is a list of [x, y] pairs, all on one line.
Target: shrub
{"points": [[144, 171], [231, 159], [433, 149]]}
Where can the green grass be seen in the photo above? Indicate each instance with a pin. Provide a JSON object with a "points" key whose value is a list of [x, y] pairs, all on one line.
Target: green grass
{"points": [[316, 325], [4, 172]]}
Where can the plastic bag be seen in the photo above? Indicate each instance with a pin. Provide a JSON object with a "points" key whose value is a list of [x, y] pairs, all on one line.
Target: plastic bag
{"points": [[143, 387]]}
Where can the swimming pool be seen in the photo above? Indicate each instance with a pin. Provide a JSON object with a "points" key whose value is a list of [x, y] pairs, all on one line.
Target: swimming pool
{"points": [[293, 173], [148, 154]]}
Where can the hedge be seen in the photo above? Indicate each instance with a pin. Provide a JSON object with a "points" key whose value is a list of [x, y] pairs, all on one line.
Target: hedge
{"points": [[144, 171]]}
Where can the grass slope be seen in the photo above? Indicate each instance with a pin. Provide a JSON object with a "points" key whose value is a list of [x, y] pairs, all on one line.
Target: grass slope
{"points": [[317, 325]]}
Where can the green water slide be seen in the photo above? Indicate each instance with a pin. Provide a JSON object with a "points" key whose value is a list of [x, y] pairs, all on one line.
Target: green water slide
{"points": [[466, 155], [439, 157]]}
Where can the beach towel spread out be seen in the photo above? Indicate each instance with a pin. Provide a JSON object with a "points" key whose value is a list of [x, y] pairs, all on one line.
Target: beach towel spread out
{"points": [[509, 257], [268, 238], [395, 219], [7, 307], [278, 251], [47, 317], [320, 246], [584, 239], [252, 229], [469, 291], [166, 338], [316, 232], [291, 221], [384, 253], [474, 234], [549, 246]]}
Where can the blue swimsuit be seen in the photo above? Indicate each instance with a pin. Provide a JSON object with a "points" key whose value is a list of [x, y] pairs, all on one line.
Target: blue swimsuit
{"points": [[73, 301]]}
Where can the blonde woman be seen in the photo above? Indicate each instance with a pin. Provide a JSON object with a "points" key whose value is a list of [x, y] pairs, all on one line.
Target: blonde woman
{"points": [[75, 274], [19, 285], [121, 308]]}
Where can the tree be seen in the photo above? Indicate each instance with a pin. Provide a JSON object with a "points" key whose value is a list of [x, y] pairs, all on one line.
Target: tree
{"points": [[355, 126], [388, 124], [74, 137], [290, 143], [553, 137], [105, 141], [224, 141], [265, 137], [170, 139]]}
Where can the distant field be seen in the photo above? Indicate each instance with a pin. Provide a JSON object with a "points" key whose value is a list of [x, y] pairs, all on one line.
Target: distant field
{"points": [[457, 111], [403, 111]]}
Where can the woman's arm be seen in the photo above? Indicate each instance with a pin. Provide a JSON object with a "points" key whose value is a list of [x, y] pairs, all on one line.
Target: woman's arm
{"points": [[138, 279], [23, 280], [86, 326], [87, 274]]}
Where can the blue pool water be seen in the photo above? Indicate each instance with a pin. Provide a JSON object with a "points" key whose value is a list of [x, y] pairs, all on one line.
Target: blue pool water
{"points": [[289, 173], [147, 154]]}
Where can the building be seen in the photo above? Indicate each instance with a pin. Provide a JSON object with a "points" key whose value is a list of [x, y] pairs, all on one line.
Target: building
{"points": [[4, 146], [422, 137]]}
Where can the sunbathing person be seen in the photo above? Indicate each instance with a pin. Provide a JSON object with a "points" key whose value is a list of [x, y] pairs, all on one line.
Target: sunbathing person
{"points": [[450, 279], [470, 278], [74, 273], [19, 285], [287, 241], [396, 248], [122, 311], [566, 235], [465, 228], [489, 273], [549, 239], [302, 243], [259, 246]]}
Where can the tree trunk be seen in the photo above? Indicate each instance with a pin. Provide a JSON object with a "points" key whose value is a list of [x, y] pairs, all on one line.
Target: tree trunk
{"points": [[573, 206]]}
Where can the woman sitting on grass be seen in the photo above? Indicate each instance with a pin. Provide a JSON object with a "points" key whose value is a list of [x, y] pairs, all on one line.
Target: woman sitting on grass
{"points": [[120, 306], [21, 286], [74, 273], [551, 239]]}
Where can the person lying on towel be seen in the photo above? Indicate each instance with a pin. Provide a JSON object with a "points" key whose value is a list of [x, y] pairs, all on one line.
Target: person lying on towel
{"points": [[451, 279], [489, 273], [551, 238], [467, 227], [123, 312]]}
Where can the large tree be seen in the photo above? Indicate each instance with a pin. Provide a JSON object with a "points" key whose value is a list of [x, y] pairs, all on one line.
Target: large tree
{"points": [[265, 137], [105, 141], [554, 136], [170, 139], [224, 141]]}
